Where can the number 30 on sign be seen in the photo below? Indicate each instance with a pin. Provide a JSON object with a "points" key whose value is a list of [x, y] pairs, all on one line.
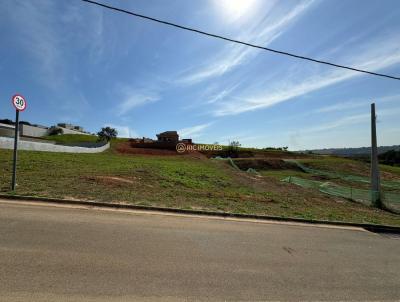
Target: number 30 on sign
{"points": [[19, 102]]}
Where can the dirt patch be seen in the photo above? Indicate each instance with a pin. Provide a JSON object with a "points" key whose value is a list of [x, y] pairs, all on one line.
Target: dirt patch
{"points": [[116, 179], [126, 148], [345, 166], [264, 164], [111, 180], [257, 153]]}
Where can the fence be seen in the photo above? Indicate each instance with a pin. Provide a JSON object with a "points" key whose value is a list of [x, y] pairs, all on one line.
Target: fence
{"points": [[390, 200], [348, 177]]}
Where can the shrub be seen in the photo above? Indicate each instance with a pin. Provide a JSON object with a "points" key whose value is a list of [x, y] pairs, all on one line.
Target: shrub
{"points": [[55, 131], [107, 133]]}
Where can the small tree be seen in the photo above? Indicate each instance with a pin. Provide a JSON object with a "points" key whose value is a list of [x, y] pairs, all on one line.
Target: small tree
{"points": [[107, 133], [233, 148], [7, 121], [55, 130]]}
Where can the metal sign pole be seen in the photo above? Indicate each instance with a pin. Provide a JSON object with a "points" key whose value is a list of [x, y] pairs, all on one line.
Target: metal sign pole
{"points": [[14, 174]]}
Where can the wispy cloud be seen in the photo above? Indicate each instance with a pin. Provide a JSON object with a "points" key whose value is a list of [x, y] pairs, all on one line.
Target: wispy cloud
{"points": [[273, 24], [242, 138], [46, 35], [340, 107], [346, 121], [135, 98], [371, 58], [194, 131], [221, 95], [357, 103], [350, 120], [123, 131], [37, 36]]}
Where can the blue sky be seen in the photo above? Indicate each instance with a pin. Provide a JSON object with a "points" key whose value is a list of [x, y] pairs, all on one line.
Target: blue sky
{"points": [[85, 65]]}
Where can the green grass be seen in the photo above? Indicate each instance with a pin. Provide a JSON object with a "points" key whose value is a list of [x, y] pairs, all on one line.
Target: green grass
{"points": [[390, 169], [349, 167], [66, 139], [281, 174], [174, 181], [337, 164], [71, 138]]}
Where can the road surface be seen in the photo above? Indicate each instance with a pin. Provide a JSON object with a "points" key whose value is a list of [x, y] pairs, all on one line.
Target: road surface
{"points": [[50, 253]]}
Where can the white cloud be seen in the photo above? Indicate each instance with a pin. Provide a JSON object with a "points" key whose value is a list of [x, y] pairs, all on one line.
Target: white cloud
{"points": [[46, 35], [351, 120], [123, 131], [357, 103], [234, 55], [194, 131], [37, 36], [346, 121], [340, 106], [371, 58], [221, 95], [133, 99]]}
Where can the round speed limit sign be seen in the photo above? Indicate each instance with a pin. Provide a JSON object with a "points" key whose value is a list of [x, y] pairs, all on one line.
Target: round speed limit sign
{"points": [[19, 102]]}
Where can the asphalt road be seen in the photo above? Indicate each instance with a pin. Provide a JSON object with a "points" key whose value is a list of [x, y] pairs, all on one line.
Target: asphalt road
{"points": [[52, 253]]}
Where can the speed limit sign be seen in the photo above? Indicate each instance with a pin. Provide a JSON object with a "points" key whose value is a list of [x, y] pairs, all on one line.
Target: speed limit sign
{"points": [[19, 102]]}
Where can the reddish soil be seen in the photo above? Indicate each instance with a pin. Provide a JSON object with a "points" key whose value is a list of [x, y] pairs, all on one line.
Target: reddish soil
{"points": [[126, 148], [264, 164], [112, 181], [258, 154]]}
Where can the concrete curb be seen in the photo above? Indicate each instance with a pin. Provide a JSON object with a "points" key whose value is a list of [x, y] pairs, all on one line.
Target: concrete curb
{"points": [[370, 227]]}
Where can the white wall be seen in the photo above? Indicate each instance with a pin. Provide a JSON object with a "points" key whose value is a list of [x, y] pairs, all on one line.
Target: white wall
{"points": [[7, 130], [27, 130], [8, 143], [69, 131]]}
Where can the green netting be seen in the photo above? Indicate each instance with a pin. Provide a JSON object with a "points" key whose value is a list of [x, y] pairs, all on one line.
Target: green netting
{"points": [[390, 200], [232, 163], [348, 177], [253, 171]]}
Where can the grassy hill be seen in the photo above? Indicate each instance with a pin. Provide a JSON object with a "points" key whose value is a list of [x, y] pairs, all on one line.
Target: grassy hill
{"points": [[76, 139], [180, 181], [66, 139]]}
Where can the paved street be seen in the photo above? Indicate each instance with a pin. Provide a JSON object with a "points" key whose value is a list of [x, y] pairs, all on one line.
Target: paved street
{"points": [[50, 253]]}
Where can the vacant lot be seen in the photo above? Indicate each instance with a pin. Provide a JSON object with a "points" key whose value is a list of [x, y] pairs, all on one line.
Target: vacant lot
{"points": [[175, 181]]}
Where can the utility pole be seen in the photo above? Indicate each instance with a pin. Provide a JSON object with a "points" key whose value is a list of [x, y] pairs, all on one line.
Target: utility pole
{"points": [[375, 177]]}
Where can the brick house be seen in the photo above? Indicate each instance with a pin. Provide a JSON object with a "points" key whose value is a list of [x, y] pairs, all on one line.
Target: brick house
{"points": [[168, 136]]}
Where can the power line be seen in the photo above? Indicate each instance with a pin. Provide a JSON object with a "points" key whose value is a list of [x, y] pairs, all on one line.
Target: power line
{"points": [[239, 42]]}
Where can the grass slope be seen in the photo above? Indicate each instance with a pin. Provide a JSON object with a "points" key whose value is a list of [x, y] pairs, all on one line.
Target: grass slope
{"points": [[174, 181], [71, 138]]}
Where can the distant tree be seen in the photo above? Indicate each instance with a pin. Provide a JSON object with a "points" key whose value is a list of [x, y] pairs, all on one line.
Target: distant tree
{"points": [[234, 144], [285, 148], [54, 130], [25, 123], [215, 143], [233, 149], [7, 121], [391, 157], [107, 133]]}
